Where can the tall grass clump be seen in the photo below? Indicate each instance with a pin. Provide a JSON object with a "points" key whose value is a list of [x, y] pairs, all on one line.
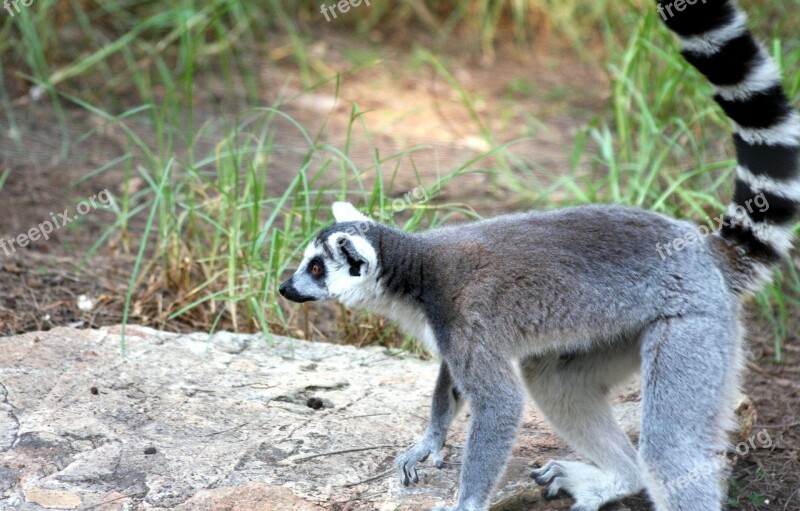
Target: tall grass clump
{"points": [[209, 244]]}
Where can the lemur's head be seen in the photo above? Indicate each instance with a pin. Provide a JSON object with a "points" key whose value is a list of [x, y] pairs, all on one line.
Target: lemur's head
{"points": [[341, 262]]}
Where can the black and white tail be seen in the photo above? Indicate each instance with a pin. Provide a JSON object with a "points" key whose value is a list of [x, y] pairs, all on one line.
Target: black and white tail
{"points": [[716, 41]]}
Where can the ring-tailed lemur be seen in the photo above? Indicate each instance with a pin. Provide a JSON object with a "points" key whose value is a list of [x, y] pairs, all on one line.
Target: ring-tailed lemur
{"points": [[570, 302]]}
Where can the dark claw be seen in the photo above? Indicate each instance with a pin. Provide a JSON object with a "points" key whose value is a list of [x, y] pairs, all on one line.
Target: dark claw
{"points": [[558, 495], [416, 477]]}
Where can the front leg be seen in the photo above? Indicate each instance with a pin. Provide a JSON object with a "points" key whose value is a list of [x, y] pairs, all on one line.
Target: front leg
{"points": [[497, 398], [444, 408]]}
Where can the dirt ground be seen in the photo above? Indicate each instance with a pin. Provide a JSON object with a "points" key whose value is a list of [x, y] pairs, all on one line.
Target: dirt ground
{"points": [[41, 285]]}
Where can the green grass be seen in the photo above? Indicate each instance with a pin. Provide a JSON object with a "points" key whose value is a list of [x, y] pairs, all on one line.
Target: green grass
{"points": [[210, 245], [220, 246], [739, 495]]}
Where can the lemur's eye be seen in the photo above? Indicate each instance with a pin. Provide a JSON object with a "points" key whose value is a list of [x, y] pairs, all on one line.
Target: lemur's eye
{"points": [[315, 269]]}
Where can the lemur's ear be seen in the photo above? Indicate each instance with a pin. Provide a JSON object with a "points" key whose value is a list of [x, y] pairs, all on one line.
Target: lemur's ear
{"points": [[355, 259], [345, 212]]}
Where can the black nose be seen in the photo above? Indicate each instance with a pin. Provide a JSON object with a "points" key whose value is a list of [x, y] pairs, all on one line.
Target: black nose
{"points": [[288, 291]]}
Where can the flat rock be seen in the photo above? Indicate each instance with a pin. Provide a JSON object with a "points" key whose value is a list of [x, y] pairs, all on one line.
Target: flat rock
{"points": [[231, 422]]}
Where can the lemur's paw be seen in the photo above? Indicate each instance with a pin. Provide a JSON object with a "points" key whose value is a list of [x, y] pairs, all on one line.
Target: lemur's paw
{"points": [[588, 485], [406, 462]]}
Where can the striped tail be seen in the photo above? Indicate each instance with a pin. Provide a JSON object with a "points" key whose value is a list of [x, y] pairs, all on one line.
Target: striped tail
{"points": [[758, 223]]}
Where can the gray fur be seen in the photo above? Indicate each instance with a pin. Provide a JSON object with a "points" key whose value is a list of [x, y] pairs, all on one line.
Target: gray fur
{"points": [[565, 303]]}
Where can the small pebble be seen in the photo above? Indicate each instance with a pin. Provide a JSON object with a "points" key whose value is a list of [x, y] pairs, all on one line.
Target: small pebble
{"points": [[150, 450], [315, 403], [94, 391]]}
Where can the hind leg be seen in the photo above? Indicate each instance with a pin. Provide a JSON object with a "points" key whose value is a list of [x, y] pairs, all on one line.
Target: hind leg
{"points": [[690, 368], [573, 395]]}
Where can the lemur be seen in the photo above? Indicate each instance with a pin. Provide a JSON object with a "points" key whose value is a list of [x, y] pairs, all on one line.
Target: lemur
{"points": [[569, 303]]}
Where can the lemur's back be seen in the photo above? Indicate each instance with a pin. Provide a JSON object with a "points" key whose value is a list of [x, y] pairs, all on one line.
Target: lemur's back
{"points": [[584, 272]]}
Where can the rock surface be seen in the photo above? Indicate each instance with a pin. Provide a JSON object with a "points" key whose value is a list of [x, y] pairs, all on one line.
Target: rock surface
{"points": [[230, 422]]}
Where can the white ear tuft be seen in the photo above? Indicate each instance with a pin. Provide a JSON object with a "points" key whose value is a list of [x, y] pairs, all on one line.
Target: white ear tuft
{"points": [[346, 212]]}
